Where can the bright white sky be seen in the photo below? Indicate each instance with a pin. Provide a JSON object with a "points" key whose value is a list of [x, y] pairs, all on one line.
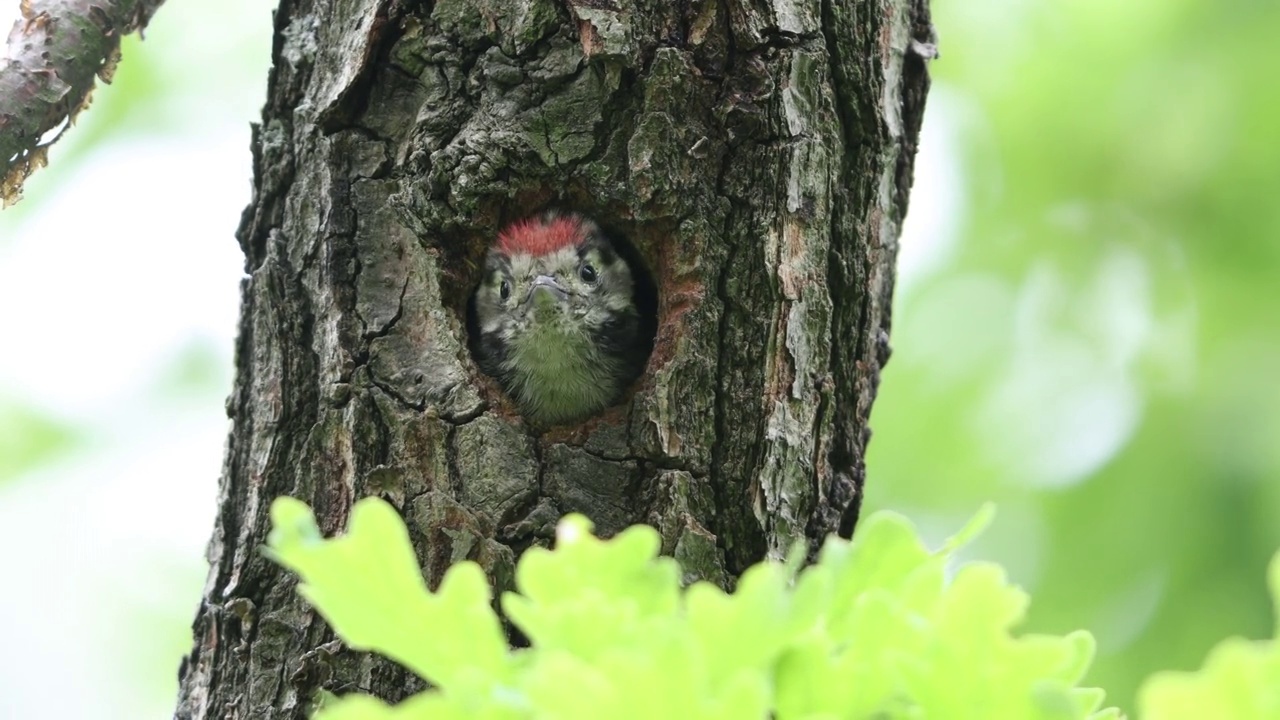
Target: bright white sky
{"points": [[96, 316], [128, 268]]}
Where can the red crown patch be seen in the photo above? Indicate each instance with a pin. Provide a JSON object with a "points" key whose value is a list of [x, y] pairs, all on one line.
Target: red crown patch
{"points": [[536, 236]]}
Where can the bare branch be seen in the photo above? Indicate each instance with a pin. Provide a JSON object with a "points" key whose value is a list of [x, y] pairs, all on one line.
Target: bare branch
{"points": [[54, 54]]}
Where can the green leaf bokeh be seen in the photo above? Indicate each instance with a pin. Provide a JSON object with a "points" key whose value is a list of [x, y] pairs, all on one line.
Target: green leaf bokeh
{"points": [[1090, 338]]}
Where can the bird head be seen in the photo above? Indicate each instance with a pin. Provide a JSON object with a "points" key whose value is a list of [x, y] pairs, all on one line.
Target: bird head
{"points": [[557, 318], [552, 272]]}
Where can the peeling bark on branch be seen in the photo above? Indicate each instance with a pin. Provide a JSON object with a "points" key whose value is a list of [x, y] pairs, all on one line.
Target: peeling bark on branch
{"points": [[757, 153], [54, 54]]}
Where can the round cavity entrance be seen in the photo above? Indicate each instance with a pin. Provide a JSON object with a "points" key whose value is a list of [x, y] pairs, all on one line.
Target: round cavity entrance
{"points": [[563, 317]]}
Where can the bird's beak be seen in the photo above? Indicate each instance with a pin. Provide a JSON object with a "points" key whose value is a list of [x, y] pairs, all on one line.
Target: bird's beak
{"points": [[545, 289]]}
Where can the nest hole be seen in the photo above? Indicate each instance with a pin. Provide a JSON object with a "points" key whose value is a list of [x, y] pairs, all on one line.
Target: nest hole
{"points": [[645, 291]]}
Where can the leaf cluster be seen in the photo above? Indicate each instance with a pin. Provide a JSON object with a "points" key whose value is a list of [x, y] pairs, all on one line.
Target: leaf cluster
{"points": [[875, 629]]}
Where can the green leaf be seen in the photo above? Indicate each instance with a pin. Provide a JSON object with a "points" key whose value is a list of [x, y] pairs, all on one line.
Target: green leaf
{"points": [[1240, 679], [873, 630], [590, 594], [368, 586]]}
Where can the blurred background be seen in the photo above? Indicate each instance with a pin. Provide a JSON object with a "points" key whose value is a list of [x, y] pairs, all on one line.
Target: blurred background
{"points": [[1085, 333], [119, 283]]}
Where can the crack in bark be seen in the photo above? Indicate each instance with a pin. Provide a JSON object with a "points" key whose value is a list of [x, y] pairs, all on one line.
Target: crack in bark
{"points": [[395, 317]]}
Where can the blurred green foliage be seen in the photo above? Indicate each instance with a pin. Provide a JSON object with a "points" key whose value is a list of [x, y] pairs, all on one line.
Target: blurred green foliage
{"points": [[30, 438], [1240, 680], [1096, 345], [873, 630]]}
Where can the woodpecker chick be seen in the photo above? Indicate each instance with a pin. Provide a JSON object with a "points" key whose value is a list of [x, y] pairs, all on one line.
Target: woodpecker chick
{"points": [[557, 316]]}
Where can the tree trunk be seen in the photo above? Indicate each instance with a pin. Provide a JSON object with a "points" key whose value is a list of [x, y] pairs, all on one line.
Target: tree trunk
{"points": [[757, 154]]}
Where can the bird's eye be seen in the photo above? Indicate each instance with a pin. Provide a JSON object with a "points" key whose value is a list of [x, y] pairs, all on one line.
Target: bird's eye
{"points": [[504, 290], [587, 273]]}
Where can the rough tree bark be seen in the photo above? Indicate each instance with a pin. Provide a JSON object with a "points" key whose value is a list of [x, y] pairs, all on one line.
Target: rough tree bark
{"points": [[758, 155]]}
